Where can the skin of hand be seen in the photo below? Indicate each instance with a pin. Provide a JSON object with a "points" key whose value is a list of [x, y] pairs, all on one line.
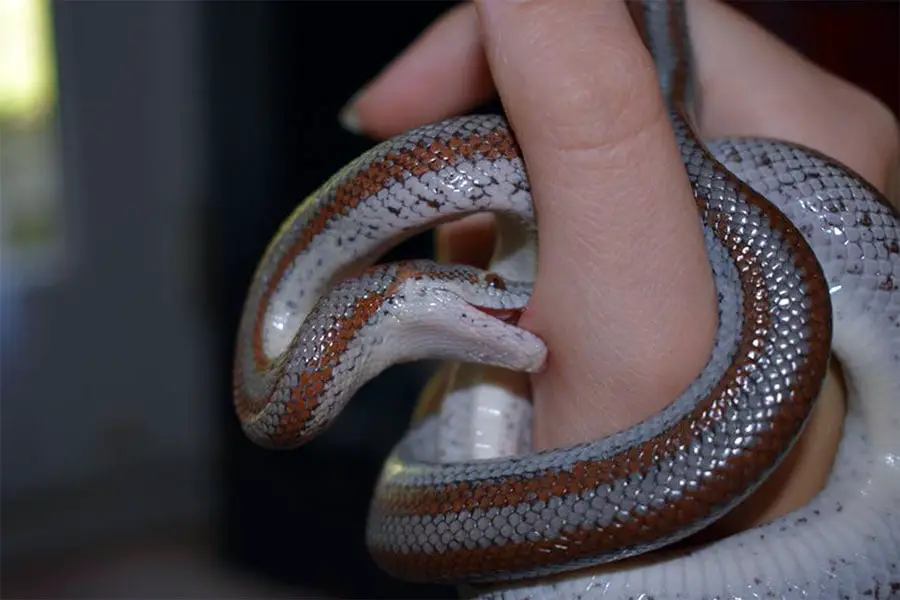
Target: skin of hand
{"points": [[611, 194]]}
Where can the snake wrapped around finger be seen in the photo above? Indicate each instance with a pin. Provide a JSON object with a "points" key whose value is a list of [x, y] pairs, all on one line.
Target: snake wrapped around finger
{"points": [[805, 257]]}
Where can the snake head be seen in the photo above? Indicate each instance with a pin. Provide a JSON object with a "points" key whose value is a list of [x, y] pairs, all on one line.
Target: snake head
{"points": [[463, 314], [509, 316]]}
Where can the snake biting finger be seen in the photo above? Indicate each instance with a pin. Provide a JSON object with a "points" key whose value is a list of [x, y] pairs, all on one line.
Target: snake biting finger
{"points": [[806, 260]]}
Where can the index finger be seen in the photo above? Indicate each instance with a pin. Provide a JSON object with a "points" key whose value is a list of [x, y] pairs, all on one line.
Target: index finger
{"points": [[624, 296]]}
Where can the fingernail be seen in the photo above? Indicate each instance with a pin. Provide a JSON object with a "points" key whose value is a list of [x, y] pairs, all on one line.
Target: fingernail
{"points": [[348, 118]]}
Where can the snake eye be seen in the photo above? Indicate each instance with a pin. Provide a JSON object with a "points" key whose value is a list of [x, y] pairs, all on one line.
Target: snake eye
{"points": [[495, 281]]}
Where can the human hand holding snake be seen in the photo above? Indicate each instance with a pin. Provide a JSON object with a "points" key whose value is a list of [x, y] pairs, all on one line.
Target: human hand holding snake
{"points": [[568, 190]]}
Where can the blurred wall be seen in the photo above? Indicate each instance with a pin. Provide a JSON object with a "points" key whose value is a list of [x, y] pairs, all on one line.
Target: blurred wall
{"points": [[105, 387]]}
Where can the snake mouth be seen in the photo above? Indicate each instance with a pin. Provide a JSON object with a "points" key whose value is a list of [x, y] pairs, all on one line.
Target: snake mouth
{"points": [[510, 316]]}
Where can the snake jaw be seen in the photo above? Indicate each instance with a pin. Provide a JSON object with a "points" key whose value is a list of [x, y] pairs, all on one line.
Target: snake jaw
{"points": [[456, 320], [510, 316]]}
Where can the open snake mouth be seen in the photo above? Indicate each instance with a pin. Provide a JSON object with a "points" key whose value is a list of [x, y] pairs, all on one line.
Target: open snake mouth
{"points": [[510, 316]]}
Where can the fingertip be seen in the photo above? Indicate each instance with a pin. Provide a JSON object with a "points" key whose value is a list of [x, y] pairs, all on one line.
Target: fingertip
{"points": [[442, 73], [573, 72], [348, 117]]}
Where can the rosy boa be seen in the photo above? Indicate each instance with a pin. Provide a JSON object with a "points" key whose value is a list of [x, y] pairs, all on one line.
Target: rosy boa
{"points": [[806, 260]]}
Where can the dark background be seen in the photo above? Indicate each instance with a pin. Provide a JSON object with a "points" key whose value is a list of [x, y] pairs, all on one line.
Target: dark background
{"points": [[187, 132]]}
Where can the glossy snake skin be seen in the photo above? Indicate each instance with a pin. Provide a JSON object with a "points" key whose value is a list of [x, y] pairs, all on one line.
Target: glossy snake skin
{"points": [[807, 263]]}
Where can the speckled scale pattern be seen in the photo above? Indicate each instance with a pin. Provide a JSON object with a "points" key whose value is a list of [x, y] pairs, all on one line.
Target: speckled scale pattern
{"points": [[341, 342], [845, 544], [439, 171], [487, 520], [825, 251], [479, 421]]}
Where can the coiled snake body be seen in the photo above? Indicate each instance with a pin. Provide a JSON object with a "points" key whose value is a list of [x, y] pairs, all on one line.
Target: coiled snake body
{"points": [[797, 244]]}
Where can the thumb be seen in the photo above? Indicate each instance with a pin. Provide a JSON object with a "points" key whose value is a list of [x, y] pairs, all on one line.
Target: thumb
{"points": [[624, 296]]}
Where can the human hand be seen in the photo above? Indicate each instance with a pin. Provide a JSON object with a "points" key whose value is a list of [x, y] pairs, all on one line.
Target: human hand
{"points": [[580, 91]]}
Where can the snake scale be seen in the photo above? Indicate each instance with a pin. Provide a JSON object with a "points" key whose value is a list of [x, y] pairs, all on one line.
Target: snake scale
{"points": [[806, 261]]}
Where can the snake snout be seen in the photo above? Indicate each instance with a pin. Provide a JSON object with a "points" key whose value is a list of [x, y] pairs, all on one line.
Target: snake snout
{"points": [[453, 320]]}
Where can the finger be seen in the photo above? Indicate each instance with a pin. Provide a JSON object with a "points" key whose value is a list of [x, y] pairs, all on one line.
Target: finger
{"points": [[610, 193], [777, 94], [443, 73], [469, 241]]}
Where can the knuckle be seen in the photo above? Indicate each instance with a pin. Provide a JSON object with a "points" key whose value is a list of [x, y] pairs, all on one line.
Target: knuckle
{"points": [[880, 124], [879, 133]]}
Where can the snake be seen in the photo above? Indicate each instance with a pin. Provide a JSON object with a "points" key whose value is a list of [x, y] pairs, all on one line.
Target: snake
{"points": [[805, 257]]}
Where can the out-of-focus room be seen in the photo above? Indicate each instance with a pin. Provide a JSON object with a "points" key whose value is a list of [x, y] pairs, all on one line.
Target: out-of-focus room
{"points": [[148, 152]]}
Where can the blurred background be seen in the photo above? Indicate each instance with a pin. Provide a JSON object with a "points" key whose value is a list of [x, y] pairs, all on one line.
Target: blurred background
{"points": [[148, 151]]}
